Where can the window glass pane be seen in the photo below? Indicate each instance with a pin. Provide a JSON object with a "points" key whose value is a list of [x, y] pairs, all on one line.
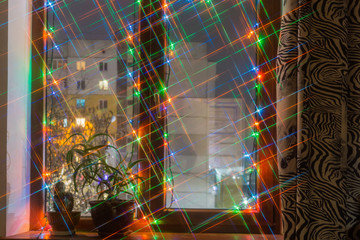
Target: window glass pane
{"points": [[85, 46], [211, 119], [104, 85], [80, 103], [211, 80], [83, 84]]}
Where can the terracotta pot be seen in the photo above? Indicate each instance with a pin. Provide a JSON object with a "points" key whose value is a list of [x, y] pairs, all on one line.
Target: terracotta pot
{"points": [[62, 223], [112, 218]]}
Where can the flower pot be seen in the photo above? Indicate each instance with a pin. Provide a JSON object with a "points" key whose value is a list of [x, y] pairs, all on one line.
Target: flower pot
{"points": [[62, 223], [112, 218]]}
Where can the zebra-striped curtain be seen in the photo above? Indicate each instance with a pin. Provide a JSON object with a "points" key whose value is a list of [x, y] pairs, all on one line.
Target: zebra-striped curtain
{"points": [[319, 119]]}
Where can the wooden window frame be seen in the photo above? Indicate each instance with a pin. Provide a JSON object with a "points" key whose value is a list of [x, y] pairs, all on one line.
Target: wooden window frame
{"points": [[38, 81], [154, 197]]}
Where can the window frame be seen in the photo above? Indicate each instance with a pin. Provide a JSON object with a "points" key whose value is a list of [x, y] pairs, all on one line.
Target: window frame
{"points": [[81, 85], [103, 66], [56, 62], [103, 104], [37, 193], [175, 221], [80, 65], [80, 103], [104, 85], [153, 192]]}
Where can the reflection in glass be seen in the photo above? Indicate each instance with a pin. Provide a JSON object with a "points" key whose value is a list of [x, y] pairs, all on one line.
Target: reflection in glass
{"points": [[211, 116], [211, 80], [89, 89]]}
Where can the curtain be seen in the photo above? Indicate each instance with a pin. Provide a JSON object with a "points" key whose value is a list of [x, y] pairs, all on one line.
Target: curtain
{"points": [[318, 126]]}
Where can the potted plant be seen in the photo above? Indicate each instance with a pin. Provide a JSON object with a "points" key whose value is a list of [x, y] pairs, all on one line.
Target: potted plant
{"points": [[90, 160], [62, 220]]}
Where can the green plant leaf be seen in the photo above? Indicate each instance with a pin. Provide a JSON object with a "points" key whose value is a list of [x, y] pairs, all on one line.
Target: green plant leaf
{"points": [[91, 138], [96, 148], [118, 152], [93, 166], [132, 164]]}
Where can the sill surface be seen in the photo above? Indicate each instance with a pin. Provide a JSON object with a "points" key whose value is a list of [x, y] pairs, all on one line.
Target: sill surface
{"points": [[148, 236]]}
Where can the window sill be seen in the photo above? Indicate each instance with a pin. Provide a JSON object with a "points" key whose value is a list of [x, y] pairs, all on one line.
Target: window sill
{"points": [[148, 236]]}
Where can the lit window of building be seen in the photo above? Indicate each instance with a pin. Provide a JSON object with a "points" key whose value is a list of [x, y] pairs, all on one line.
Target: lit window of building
{"points": [[104, 85], [80, 122], [80, 103], [58, 63], [80, 65]]}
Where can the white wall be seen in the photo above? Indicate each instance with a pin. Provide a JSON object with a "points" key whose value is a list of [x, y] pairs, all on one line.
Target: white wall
{"points": [[18, 118]]}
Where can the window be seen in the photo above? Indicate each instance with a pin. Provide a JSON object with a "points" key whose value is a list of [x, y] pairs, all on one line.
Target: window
{"points": [[80, 122], [103, 104], [81, 85], [96, 110], [80, 103], [199, 106], [216, 111], [103, 66], [59, 63], [81, 65], [104, 85]]}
